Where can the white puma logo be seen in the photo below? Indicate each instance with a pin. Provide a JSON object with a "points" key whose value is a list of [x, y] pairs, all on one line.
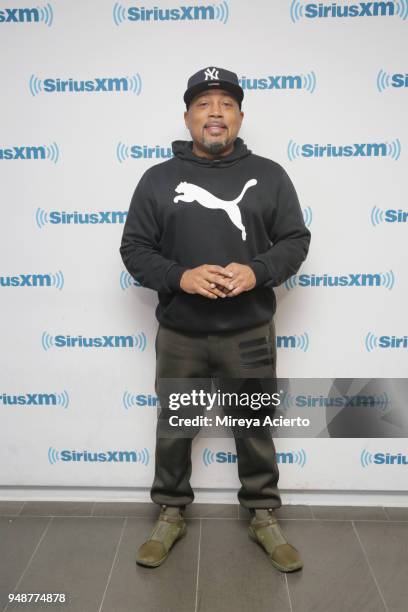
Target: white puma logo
{"points": [[190, 193]]}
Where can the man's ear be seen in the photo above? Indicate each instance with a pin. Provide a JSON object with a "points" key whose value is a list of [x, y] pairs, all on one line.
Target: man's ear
{"points": [[186, 119]]}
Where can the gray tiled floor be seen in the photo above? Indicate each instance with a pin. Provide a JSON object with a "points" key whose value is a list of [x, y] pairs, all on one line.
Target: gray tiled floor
{"points": [[355, 559]]}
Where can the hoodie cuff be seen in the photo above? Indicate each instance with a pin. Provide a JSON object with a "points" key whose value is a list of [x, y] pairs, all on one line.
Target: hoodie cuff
{"points": [[173, 277], [261, 272]]}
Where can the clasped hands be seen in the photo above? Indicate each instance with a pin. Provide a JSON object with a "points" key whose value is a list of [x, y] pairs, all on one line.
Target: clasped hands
{"points": [[215, 281]]}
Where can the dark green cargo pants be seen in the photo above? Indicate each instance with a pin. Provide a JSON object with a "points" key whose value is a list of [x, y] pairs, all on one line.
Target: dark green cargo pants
{"points": [[217, 358]]}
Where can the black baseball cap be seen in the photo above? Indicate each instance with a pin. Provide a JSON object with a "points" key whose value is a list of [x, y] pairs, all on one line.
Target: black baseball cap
{"points": [[212, 77]]}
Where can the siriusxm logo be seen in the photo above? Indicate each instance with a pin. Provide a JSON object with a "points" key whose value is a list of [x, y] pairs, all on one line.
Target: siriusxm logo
{"points": [[321, 401], [391, 215], [386, 80], [28, 15], [292, 457], [294, 342], [323, 10], [124, 152], [287, 81], [34, 280], [126, 281], [62, 217], [380, 279], [137, 341], [130, 400], [125, 84], [367, 459], [110, 456], [364, 149], [36, 399], [42, 152], [372, 342], [209, 12]]}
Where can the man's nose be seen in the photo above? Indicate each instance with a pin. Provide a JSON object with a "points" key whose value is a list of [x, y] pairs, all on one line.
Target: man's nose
{"points": [[216, 109]]}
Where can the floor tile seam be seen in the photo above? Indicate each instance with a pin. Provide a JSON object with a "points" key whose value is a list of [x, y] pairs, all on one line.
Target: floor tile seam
{"points": [[386, 513], [67, 516], [113, 563], [203, 518], [187, 518], [306, 518], [340, 520], [370, 567], [198, 568], [288, 591], [30, 559]]}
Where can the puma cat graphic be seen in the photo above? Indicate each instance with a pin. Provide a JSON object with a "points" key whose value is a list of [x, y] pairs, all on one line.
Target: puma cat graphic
{"points": [[193, 193]]}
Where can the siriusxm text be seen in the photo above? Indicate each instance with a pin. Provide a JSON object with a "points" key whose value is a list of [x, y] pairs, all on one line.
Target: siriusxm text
{"points": [[29, 399], [146, 400], [376, 149], [393, 342], [182, 13], [16, 15], [389, 459], [396, 216], [101, 217], [399, 80], [228, 457], [26, 280], [314, 10], [272, 82], [147, 152], [321, 401], [349, 280], [94, 342], [108, 456], [286, 341], [95, 85], [24, 153]]}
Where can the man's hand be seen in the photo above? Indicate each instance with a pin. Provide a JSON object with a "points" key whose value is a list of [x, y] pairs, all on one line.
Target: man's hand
{"points": [[243, 278], [208, 280]]}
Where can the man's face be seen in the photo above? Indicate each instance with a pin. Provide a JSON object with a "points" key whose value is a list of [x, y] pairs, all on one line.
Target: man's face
{"points": [[213, 120]]}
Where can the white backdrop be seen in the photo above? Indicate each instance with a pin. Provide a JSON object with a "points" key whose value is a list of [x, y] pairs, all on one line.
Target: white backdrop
{"points": [[325, 96]]}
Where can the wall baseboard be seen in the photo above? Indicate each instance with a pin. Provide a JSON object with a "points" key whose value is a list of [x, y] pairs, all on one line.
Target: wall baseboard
{"points": [[205, 496]]}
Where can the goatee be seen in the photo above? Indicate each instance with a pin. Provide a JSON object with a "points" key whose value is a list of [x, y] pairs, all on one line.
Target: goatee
{"points": [[215, 147]]}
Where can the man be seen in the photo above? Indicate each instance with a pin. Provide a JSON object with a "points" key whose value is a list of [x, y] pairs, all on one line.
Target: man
{"points": [[212, 231]]}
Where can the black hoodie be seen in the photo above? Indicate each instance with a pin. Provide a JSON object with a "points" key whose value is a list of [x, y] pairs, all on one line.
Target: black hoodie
{"points": [[190, 210]]}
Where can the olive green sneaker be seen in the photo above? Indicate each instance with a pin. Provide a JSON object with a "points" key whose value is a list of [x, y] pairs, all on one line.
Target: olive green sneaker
{"points": [[169, 527], [265, 531]]}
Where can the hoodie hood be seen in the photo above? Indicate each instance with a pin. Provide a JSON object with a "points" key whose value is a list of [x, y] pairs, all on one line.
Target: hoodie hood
{"points": [[183, 149]]}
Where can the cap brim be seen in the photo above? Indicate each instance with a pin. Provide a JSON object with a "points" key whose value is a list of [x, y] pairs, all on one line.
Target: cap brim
{"points": [[236, 91]]}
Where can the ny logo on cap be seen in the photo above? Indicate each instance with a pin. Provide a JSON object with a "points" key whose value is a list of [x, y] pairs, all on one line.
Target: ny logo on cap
{"points": [[211, 73]]}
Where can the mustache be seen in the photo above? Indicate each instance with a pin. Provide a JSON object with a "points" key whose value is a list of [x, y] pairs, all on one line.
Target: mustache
{"points": [[214, 124]]}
